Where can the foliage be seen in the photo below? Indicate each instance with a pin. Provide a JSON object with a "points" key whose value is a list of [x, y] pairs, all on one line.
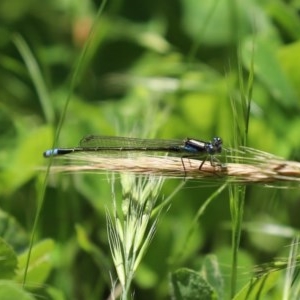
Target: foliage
{"points": [[167, 69]]}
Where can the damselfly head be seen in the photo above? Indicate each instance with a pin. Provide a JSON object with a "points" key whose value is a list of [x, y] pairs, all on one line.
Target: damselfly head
{"points": [[216, 145]]}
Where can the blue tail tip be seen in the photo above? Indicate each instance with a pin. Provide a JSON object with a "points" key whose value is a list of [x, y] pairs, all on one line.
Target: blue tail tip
{"points": [[50, 152]]}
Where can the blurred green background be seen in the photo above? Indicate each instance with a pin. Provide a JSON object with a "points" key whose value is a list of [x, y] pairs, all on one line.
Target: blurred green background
{"points": [[166, 69]]}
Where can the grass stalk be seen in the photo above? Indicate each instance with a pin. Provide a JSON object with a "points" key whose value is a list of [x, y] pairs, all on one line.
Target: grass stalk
{"points": [[253, 166], [129, 229]]}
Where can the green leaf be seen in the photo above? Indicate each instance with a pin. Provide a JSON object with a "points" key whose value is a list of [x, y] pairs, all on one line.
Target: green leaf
{"points": [[287, 16], [268, 69], [288, 56], [187, 284], [36, 76], [12, 291], [22, 162], [12, 232], [8, 261], [211, 21], [211, 272], [40, 263], [55, 294]]}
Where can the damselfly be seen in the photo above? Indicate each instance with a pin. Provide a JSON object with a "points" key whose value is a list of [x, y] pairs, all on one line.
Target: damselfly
{"points": [[188, 148]]}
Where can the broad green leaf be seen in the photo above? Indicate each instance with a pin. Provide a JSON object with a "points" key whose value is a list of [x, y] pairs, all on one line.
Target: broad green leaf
{"points": [[267, 68], [245, 263], [289, 59], [13, 291], [12, 232], [212, 273], [55, 294], [286, 16], [210, 22], [8, 261], [23, 161], [187, 284], [40, 264]]}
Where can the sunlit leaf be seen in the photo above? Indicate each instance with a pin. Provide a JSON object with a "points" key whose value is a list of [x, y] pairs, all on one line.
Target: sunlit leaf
{"points": [[40, 264], [268, 69], [12, 291]]}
